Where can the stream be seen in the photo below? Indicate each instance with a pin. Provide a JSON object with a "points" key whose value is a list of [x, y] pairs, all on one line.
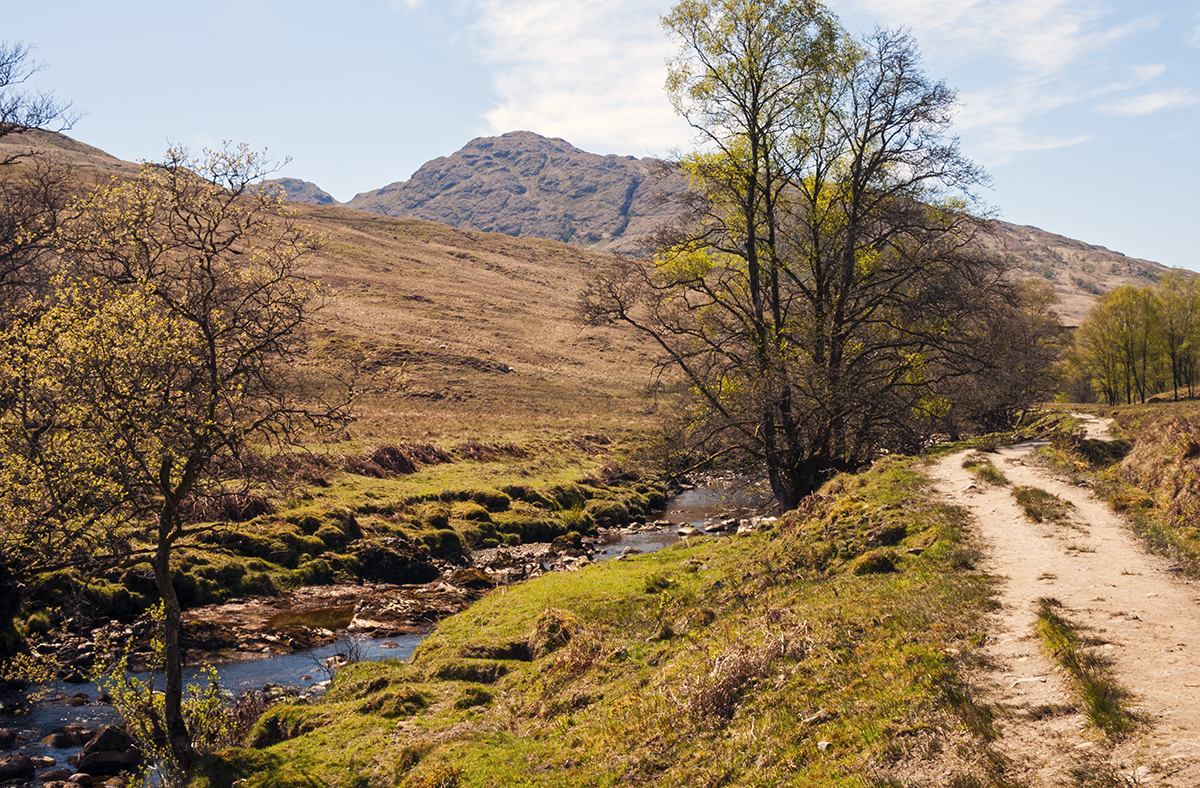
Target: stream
{"points": [[303, 670]]}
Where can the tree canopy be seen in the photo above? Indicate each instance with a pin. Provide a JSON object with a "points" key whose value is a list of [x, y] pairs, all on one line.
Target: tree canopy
{"points": [[822, 294]]}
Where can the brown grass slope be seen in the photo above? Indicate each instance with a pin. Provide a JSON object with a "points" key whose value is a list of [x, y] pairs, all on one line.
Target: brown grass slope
{"points": [[485, 325]]}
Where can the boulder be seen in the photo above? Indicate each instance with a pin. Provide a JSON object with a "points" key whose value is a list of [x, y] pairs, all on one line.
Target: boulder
{"points": [[111, 751], [109, 763], [8, 737], [16, 767]]}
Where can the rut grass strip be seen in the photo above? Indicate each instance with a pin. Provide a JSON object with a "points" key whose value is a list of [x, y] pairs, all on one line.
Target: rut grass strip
{"points": [[983, 468], [1104, 700], [1041, 506]]}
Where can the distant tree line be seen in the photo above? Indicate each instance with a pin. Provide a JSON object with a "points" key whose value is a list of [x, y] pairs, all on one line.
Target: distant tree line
{"points": [[1140, 341]]}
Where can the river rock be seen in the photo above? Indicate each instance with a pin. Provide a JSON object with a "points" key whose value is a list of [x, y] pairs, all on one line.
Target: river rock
{"points": [[111, 751], [82, 780], [8, 737], [42, 761], [16, 767]]}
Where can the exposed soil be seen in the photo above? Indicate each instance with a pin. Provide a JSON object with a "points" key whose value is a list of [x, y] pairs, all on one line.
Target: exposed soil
{"points": [[1135, 607]]}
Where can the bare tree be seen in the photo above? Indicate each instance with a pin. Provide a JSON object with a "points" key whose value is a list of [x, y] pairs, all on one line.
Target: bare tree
{"points": [[22, 110]]}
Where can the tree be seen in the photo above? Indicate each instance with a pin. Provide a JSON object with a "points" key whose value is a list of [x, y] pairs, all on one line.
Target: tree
{"points": [[22, 110], [160, 361], [1121, 345], [31, 197], [1179, 309], [815, 291]]}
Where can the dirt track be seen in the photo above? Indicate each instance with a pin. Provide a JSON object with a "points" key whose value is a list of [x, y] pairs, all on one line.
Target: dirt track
{"points": [[1146, 616]]}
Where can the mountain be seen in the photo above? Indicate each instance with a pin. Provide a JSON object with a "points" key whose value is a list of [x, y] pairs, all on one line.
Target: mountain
{"points": [[526, 185]]}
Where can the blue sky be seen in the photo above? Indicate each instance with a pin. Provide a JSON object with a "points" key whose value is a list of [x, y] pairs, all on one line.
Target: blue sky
{"points": [[1086, 113]]}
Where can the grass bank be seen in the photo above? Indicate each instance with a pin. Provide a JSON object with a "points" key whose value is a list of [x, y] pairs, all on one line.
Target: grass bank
{"points": [[828, 650]]}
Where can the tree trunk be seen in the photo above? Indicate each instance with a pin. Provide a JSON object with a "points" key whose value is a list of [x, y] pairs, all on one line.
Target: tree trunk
{"points": [[178, 739]]}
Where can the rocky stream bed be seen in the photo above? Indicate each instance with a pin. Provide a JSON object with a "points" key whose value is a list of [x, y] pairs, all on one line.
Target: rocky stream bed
{"points": [[289, 646]]}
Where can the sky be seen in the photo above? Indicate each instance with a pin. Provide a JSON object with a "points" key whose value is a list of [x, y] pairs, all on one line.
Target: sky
{"points": [[1085, 113]]}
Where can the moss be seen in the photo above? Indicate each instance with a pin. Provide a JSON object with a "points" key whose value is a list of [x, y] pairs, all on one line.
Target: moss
{"points": [[477, 671], [471, 510], [436, 516], [607, 513], [875, 562], [492, 500], [529, 524], [442, 543], [403, 702], [392, 561], [526, 494], [472, 697], [282, 722], [313, 573]]}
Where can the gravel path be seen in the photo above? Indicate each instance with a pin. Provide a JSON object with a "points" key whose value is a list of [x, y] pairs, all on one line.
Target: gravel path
{"points": [[1147, 617]]}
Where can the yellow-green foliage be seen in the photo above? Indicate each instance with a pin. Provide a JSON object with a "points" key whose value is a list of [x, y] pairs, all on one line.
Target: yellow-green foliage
{"points": [[723, 661]]}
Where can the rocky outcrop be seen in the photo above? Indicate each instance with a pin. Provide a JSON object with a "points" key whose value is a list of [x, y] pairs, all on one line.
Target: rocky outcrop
{"points": [[523, 184], [297, 190]]}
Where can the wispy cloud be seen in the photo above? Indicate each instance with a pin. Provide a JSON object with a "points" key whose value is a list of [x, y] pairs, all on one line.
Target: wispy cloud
{"points": [[1194, 38], [1149, 103], [591, 72], [1023, 60], [1034, 35]]}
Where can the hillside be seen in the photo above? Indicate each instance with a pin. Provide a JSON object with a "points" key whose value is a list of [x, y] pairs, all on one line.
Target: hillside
{"points": [[484, 325]]}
